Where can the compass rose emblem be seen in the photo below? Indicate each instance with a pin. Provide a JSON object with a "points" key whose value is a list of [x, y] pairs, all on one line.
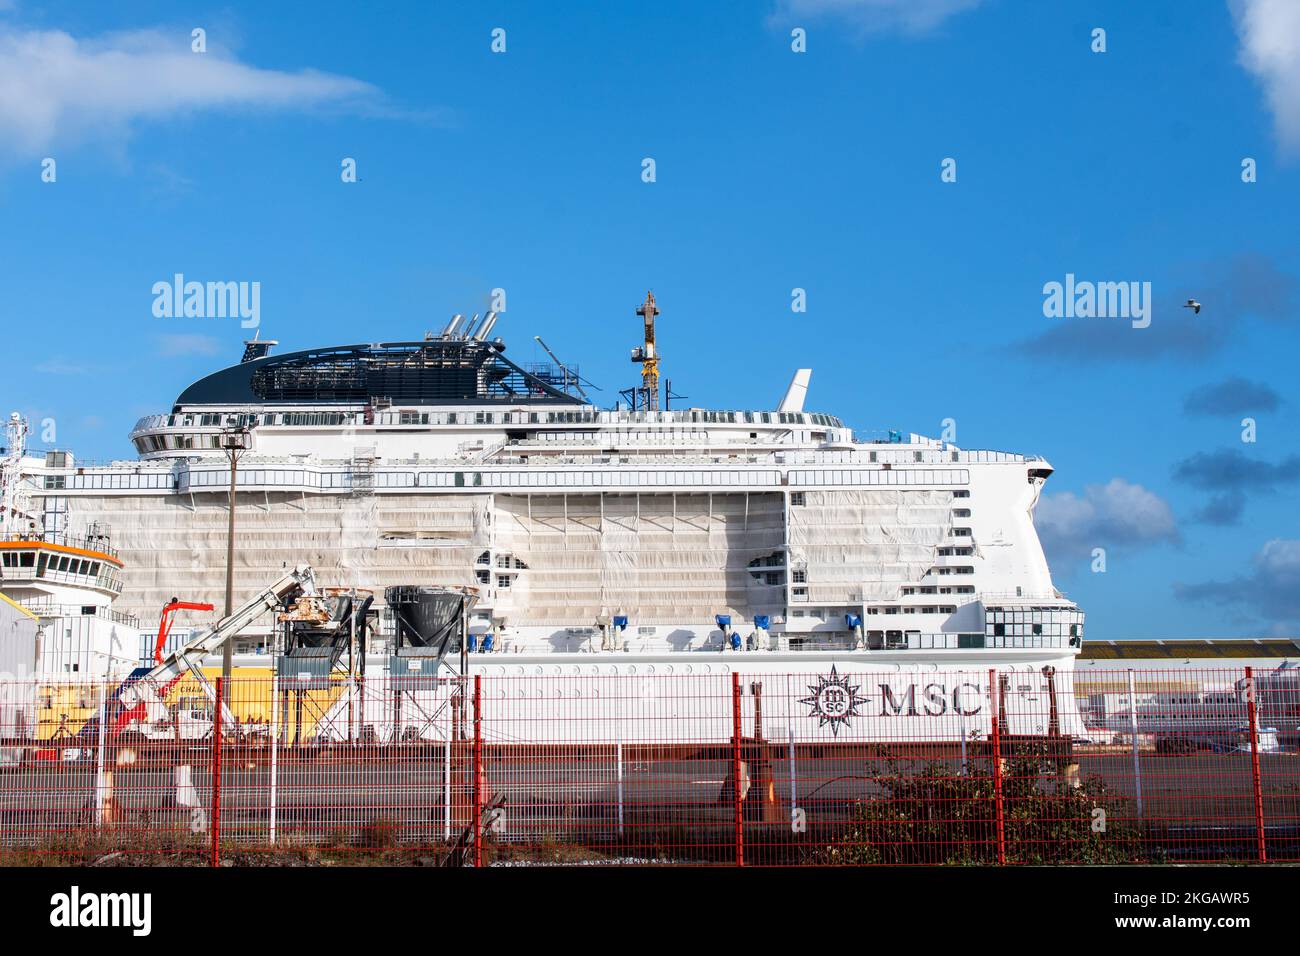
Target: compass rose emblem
{"points": [[833, 700]]}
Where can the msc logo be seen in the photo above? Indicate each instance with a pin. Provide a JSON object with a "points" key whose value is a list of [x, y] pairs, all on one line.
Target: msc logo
{"points": [[834, 700]]}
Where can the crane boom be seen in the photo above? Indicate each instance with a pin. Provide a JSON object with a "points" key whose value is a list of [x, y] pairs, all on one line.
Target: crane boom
{"points": [[146, 692], [577, 381], [301, 580]]}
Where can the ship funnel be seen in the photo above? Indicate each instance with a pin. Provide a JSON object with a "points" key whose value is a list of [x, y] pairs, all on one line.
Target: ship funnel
{"points": [[489, 320], [450, 330], [797, 392], [467, 330]]}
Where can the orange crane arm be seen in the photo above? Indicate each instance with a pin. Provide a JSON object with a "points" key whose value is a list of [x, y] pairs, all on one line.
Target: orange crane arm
{"points": [[165, 622]]}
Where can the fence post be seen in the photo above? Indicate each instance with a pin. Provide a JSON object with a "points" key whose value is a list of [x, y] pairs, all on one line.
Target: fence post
{"points": [[478, 770], [275, 746], [446, 786], [618, 757], [961, 726], [1261, 852], [99, 756], [995, 695], [735, 768], [794, 796], [1133, 727], [618, 762], [216, 773]]}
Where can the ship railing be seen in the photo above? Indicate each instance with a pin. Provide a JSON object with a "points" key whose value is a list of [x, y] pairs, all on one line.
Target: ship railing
{"points": [[692, 437], [150, 422], [932, 455], [505, 454], [105, 580], [1027, 597], [880, 639], [353, 414], [96, 543], [439, 415], [215, 463], [43, 609], [139, 466]]}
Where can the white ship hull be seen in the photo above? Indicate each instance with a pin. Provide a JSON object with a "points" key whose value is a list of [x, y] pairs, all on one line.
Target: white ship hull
{"points": [[686, 699]]}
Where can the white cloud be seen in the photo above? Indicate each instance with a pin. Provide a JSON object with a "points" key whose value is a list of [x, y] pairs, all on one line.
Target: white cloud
{"points": [[1279, 559], [1118, 514], [57, 90], [1269, 592], [188, 345], [59, 366], [1269, 31], [869, 16]]}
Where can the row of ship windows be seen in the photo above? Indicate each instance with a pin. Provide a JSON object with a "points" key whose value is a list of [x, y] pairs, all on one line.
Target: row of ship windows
{"points": [[799, 499], [410, 417], [1057, 629], [108, 481], [505, 561], [1035, 615], [298, 477], [856, 476], [150, 443], [511, 479], [1026, 640], [944, 609], [801, 577], [62, 563], [222, 419], [516, 479], [915, 639], [500, 479], [413, 417], [877, 640]]}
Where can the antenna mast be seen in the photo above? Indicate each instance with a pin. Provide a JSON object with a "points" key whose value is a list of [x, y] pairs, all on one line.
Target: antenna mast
{"points": [[14, 503], [648, 356]]}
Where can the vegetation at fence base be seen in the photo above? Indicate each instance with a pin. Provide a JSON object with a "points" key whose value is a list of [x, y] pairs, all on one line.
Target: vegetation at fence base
{"points": [[938, 814], [94, 846]]}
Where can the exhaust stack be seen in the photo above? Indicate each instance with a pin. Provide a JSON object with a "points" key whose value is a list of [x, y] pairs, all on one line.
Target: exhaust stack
{"points": [[489, 320], [797, 392]]}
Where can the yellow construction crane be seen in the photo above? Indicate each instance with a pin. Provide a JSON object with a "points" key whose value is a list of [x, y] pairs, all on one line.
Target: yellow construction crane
{"points": [[648, 357]]}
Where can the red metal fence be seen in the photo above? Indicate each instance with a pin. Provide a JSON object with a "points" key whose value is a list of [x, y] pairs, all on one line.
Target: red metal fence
{"points": [[816, 768]]}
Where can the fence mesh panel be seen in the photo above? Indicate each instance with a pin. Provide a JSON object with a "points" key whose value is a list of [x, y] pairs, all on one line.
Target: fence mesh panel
{"points": [[837, 767]]}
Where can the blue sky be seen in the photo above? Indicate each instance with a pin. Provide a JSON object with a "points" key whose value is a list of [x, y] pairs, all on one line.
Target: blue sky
{"points": [[775, 170]]}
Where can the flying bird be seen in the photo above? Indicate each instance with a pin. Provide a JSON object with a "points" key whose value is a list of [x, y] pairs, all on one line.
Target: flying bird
{"points": [[1193, 305]]}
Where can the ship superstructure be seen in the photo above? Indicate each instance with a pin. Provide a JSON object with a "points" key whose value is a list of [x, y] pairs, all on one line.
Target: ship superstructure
{"points": [[67, 580], [634, 531]]}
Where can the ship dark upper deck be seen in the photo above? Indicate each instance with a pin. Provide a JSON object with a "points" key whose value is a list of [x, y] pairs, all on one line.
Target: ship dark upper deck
{"points": [[433, 372]]}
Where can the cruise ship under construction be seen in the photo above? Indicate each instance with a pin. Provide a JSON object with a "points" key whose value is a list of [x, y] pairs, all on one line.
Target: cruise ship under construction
{"points": [[643, 539]]}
